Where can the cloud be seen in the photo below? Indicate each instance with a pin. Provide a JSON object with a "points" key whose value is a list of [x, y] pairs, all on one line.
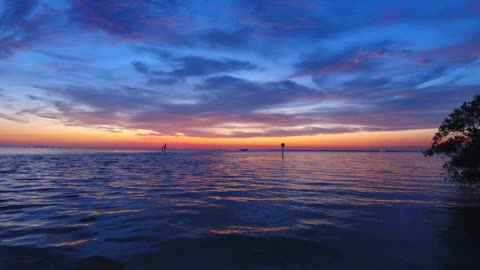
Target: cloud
{"points": [[108, 99], [34, 98], [321, 62], [16, 12], [388, 108], [351, 59], [194, 65], [24, 24], [61, 57], [388, 67], [13, 22], [198, 66], [132, 19], [5, 98], [219, 100], [123, 18], [6, 102], [141, 67], [218, 38], [409, 11], [13, 118], [282, 20], [152, 81], [460, 53], [159, 54], [227, 106], [191, 66], [285, 132], [236, 94]]}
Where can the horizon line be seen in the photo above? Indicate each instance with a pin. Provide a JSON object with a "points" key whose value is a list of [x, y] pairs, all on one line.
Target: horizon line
{"points": [[366, 149]]}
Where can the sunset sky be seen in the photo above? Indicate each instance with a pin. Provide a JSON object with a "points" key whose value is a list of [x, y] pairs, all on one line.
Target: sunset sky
{"points": [[234, 74]]}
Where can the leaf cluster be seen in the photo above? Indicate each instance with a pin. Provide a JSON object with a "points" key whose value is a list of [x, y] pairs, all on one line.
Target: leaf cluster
{"points": [[458, 138]]}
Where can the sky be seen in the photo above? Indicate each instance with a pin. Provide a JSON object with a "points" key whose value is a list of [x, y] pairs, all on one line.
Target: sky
{"points": [[234, 74]]}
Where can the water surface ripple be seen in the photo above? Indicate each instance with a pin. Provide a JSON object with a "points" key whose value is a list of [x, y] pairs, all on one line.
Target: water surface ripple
{"points": [[232, 210]]}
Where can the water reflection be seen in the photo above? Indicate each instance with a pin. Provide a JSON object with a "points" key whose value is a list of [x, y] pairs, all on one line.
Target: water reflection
{"points": [[233, 210]]}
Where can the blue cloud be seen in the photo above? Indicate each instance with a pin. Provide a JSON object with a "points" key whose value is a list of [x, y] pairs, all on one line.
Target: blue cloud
{"points": [[16, 12], [191, 66], [126, 19]]}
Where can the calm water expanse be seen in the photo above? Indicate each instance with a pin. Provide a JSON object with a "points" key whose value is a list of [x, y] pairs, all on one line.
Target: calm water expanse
{"points": [[74, 209]]}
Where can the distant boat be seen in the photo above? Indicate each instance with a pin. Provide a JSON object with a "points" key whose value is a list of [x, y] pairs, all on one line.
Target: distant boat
{"points": [[244, 149]]}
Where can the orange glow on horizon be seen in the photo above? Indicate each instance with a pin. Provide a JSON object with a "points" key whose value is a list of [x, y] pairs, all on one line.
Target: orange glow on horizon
{"points": [[54, 135]]}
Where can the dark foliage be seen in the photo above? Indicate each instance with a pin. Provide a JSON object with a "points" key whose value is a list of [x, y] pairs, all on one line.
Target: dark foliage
{"points": [[458, 138]]}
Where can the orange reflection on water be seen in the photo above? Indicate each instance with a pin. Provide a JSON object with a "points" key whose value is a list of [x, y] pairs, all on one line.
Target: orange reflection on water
{"points": [[69, 244], [98, 213], [22, 224], [246, 199], [247, 230]]}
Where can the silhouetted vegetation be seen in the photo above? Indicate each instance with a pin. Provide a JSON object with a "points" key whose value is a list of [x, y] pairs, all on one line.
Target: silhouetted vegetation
{"points": [[458, 138]]}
